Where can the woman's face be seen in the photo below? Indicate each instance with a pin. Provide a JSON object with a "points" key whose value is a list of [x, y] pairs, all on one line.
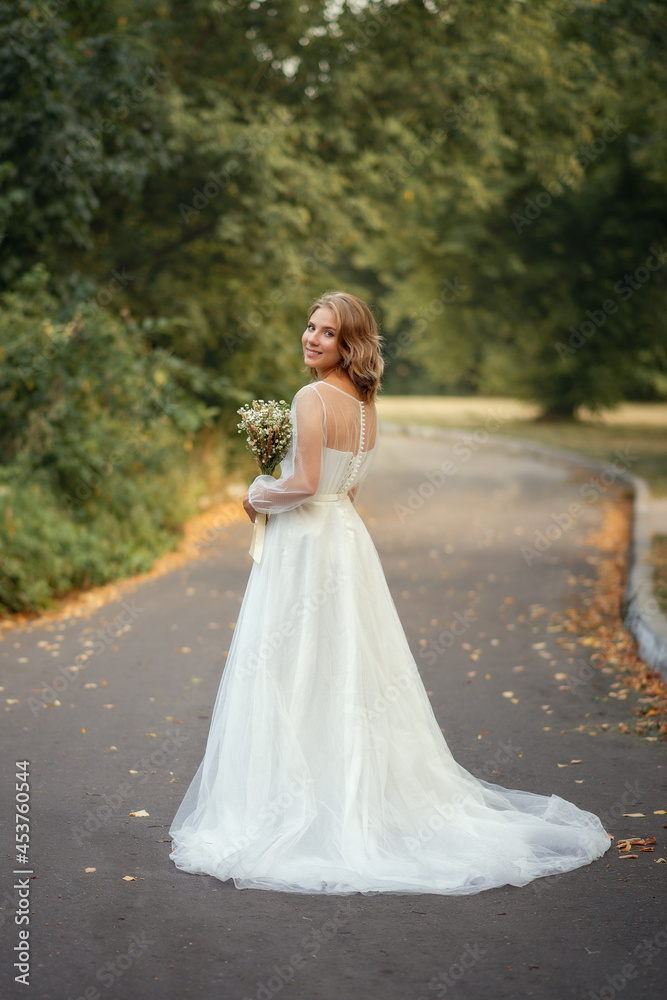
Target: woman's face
{"points": [[320, 340]]}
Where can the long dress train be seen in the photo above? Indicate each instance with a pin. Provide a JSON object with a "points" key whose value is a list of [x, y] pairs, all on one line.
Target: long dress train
{"points": [[325, 770]]}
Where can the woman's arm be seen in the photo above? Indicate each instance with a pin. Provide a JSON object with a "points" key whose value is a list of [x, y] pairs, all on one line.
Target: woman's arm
{"points": [[301, 466]]}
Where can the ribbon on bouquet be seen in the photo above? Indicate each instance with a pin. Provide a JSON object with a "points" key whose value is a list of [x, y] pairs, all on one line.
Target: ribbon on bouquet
{"points": [[257, 543]]}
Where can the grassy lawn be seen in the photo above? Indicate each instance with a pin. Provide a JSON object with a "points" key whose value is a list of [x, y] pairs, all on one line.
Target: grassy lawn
{"points": [[639, 427]]}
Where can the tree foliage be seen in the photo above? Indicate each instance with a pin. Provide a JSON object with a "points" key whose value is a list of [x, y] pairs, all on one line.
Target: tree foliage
{"points": [[177, 182]]}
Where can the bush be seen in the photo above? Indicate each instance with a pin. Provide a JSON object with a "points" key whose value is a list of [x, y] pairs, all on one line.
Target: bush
{"points": [[99, 446]]}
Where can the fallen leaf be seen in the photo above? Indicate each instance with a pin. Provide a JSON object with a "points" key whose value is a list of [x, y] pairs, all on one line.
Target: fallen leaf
{"points": [[633, 815], [562, 765], [659, 812], [576, 762], [660, 861], [140, 813], [508, 694], [129, 878], [624, 857], [90, 869]]}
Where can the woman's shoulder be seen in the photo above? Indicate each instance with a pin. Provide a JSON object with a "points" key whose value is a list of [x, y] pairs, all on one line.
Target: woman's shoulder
{"points": [[308, 401], [306, 393]]}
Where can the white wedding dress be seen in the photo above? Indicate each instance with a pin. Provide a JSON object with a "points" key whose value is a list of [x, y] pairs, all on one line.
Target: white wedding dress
{"points": [[325, 769]]}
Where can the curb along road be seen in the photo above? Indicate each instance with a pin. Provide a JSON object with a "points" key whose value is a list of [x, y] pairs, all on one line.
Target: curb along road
{"points": [[643, 617]]}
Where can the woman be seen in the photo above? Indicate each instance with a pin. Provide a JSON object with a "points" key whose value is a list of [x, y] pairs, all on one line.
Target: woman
{"points": [[325, 769]]}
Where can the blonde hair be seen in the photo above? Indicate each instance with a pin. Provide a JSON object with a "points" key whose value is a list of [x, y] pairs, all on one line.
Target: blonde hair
{"points": [[358, 340]]}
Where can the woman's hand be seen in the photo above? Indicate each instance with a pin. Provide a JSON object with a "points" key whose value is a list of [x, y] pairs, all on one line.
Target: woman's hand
{"points": [[250, 511]]}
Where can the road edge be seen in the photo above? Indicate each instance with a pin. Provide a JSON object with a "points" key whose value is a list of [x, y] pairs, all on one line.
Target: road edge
{"points": [[641, 615]]}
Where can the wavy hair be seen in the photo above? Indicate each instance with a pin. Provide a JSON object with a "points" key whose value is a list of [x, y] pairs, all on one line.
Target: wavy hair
{"points": [[359, 340]]}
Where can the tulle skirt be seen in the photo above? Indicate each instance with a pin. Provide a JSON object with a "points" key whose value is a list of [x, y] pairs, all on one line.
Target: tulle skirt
{"points": [[325, 769]]}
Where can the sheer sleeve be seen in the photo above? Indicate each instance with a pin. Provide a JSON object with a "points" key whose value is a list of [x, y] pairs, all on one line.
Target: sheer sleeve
{"points": [[302, 464]]}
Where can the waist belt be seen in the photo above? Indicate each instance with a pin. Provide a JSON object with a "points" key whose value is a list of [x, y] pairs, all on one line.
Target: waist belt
{"points": [[327, 497], [257, 543]]}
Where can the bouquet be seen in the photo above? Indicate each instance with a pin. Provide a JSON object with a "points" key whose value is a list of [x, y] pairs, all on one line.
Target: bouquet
{"points": [[268, 430]]}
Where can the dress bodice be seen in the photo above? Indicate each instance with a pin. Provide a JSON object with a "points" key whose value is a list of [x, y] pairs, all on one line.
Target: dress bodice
{"points": [[342, 470], [331, 451]]}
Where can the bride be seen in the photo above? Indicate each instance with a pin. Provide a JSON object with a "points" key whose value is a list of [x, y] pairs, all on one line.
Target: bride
{"points": [[325, 770]]}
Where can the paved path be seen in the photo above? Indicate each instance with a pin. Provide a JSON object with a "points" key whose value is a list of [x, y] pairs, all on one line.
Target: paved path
{"points": [[130, 731]]}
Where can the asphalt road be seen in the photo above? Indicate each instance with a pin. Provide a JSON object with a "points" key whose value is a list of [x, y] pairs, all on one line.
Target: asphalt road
{"points": [[130, 729]]}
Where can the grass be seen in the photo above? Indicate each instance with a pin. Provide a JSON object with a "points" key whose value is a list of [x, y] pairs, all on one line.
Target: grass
{"points": [[636, 429]]}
